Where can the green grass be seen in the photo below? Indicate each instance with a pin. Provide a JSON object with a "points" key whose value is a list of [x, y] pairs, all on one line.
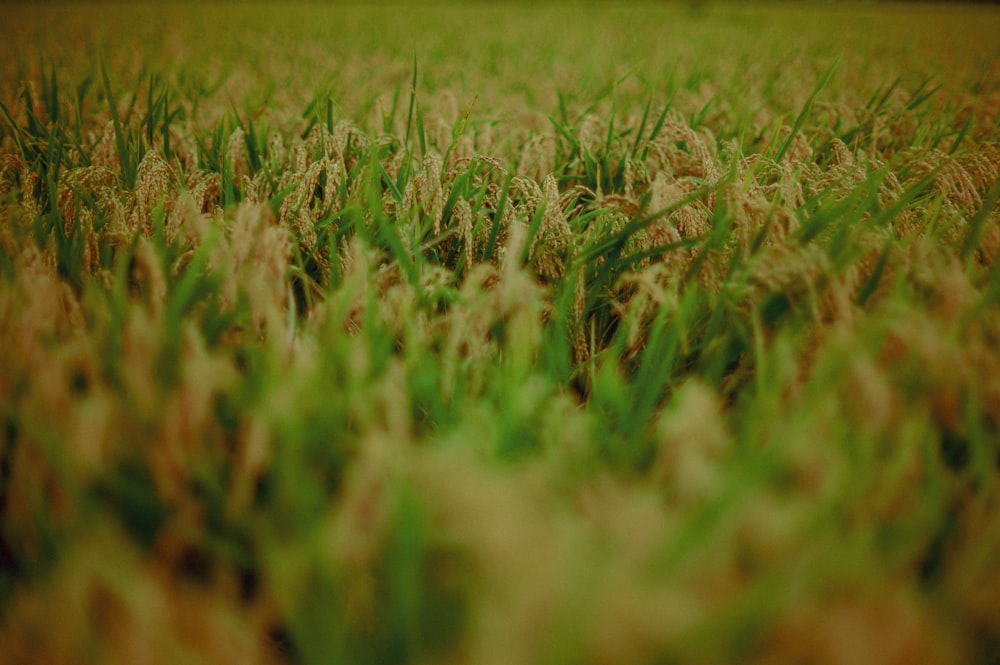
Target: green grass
{"points": [[514, 333]]}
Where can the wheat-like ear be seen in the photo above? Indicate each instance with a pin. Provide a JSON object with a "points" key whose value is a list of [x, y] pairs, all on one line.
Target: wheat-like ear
{"points": [[553, 235], [799, 151], [10, 168], [959, 185], [462, 214], [425, 190], [592, 133], [156, 184], [237, 156], [537, 156]]}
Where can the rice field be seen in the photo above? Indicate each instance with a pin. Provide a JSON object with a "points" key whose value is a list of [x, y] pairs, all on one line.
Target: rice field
{"points": [[500, 333]]}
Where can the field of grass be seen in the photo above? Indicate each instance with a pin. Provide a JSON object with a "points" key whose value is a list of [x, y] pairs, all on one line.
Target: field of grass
{"points": [[514, 333]]}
